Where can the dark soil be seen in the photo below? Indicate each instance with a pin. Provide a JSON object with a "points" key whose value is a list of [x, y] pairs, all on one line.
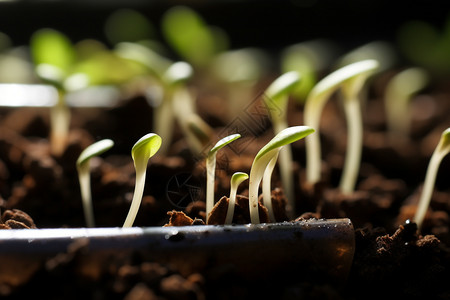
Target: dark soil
{"points": [[392, 258]]}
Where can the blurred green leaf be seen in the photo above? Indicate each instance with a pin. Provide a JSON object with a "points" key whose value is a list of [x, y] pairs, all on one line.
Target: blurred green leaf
{"points": [[53, 48], [190, 36], [127, 25]]}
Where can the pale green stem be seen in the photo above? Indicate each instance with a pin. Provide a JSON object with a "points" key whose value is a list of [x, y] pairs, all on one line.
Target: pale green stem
{"points": [[137, 196], [85, 186], [253, 200], [164, 121], [256, 174], [59, 123], [210, 174], [232, 200], [350, 172], [428, 186], [312, 114], [266, 187], [285, 164]]}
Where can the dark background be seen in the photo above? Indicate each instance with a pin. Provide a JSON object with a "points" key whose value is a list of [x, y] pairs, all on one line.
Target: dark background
{"points": [[264, 23]]}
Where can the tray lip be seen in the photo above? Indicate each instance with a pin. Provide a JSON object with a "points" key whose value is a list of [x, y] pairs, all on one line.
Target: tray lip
{"points": [[117, 232]]}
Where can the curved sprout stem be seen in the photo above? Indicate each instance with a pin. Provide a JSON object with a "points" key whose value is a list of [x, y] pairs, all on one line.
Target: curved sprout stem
{"points": [[211, 170], [314, 105], [442, 149], [84, 178], [266, 186], [263, 158], [141, 152], [277, 96], [352, 109], [285, 165], [236, 180]]}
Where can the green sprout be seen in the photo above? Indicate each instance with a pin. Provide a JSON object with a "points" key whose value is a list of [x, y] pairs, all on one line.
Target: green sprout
{"points": [[54, 56], [84, 178], [173, 101], [141, 152], [264, 157], [399, 91], [177, 101], [276, 99], [442, 149], [235, 181], [211, 170], [351, 79]]}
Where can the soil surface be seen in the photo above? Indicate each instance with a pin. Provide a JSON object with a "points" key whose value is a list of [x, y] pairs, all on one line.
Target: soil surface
{"points": [[392, 257]]}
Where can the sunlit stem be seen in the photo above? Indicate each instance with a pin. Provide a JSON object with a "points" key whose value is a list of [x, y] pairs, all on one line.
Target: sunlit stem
{"points": [[285, 166], [59, 126], [236, 180], [85, 184], [439, 153], [352, 163], [256, 175], [211, 170], [137, 196], [312, 142], [210, 174], [266, 187]]}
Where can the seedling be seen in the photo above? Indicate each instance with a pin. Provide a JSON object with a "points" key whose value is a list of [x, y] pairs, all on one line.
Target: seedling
{"points": [[442, 149], [350, 90], [351, 78], [169, 79], [84, 178], [276, 99], [141, 152], [211, 170], [236, 180], [53, 56], [177, 101], [399, 92], [264, 157]]}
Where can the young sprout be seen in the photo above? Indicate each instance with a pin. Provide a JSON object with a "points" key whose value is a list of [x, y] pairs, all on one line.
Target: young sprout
{"points": [[84, 178], [211, 170], [53, 55], [141, 152], [276, 99], [350, 90], [236, 180], [264, 157], [442, 149], [351, 78], [176, 103], [399, 92]]}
